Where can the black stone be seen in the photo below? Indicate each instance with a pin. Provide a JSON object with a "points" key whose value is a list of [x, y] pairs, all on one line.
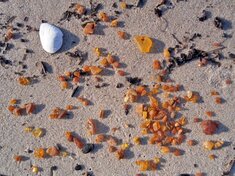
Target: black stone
{"points": [[88, 148]]}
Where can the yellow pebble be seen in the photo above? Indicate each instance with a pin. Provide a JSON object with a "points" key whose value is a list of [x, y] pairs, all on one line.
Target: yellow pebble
{"points": [[166, 53], [28, 129], [136, 140], [35, 169], [123, 5], [124, 146], [37, 132], [144, 43]]}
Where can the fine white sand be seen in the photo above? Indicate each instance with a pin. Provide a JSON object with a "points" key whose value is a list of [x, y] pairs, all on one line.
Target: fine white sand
{"points": [[47, 94]]}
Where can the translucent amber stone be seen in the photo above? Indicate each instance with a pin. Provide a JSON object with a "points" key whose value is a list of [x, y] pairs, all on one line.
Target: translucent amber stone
{"points": [[144, 43], [37, 132], [39, 153]]}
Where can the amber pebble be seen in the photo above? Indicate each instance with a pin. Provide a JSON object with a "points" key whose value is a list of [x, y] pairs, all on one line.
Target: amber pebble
{"points": [[177, 152], [13, 101], [121, 73], [24, 81], [80, 9], [18, 158], [30, 108], [69, 136], [218, 100], [114, 23], [156, 65], [64, 85], [112, 149], [103, 17], [38, 132], [120, 154], [17, 112], [53, 151], [144, 43], [78, 142], [89, 28], [11, 108], [95, 70], [121, 34], [104, 62], [39, 153], [100, 138]]}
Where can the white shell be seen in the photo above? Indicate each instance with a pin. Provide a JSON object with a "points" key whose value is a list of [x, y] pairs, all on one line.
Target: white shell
{"points": [[51, 37]]}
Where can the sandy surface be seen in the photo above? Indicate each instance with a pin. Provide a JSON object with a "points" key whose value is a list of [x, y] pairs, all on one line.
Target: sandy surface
{"points": [[46, 93]]}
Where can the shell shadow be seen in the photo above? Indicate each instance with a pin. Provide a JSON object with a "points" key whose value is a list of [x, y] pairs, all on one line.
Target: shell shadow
{"points": [[70, 40], [158, 46]]}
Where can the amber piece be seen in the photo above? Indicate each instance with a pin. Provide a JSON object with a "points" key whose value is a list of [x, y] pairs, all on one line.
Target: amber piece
{"points": [[212, 157], [18, 158], [39, 153], [141, 90], [144, 43], [91, 126], [120, 154], [213, 93], [209, 113], [166, 53], [89, 28], [103, 17], [112, 149], [95, 70], [125, 146], [199, 174], [80, 9], [218, 144], [100, 138], [69, 136], [78, 142], [77, 74], [84, 101], [112, 141], [64, 85], [157, 65], [209, 145], [218, 100], [122, 34], [53, 151], [104, 62], [24, 81], [28, 129], [11, 108], [130, 96], [116, 64], [209, 127], [69, 107], [17, 111], [123, 5], [58, 113], [9, 34], [38, 132], [86, 68], [30, 108], [61, 78], [13, 101], [35, 169], [137, 140], [121, 72], [153, 102], [102, 114], [191, 142], [114, 23], [177, 152], [67, 73], [165, 149]]}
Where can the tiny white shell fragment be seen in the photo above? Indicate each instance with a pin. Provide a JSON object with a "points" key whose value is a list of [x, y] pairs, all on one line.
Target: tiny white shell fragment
{"points": [[51, 37]]}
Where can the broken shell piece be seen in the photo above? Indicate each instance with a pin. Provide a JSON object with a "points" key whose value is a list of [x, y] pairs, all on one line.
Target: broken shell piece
{"points": [[51, 37], [144, 43]]}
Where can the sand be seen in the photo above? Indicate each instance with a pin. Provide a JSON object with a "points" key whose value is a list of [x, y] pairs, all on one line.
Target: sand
{"points": [[46, 92]]}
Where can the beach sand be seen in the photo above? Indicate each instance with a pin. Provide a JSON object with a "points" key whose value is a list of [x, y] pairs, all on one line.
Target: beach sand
{"points": [[45, 92]]}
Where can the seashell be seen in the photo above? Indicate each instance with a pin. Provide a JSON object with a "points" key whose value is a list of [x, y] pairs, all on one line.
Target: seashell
{"points": [[51, 37]]}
